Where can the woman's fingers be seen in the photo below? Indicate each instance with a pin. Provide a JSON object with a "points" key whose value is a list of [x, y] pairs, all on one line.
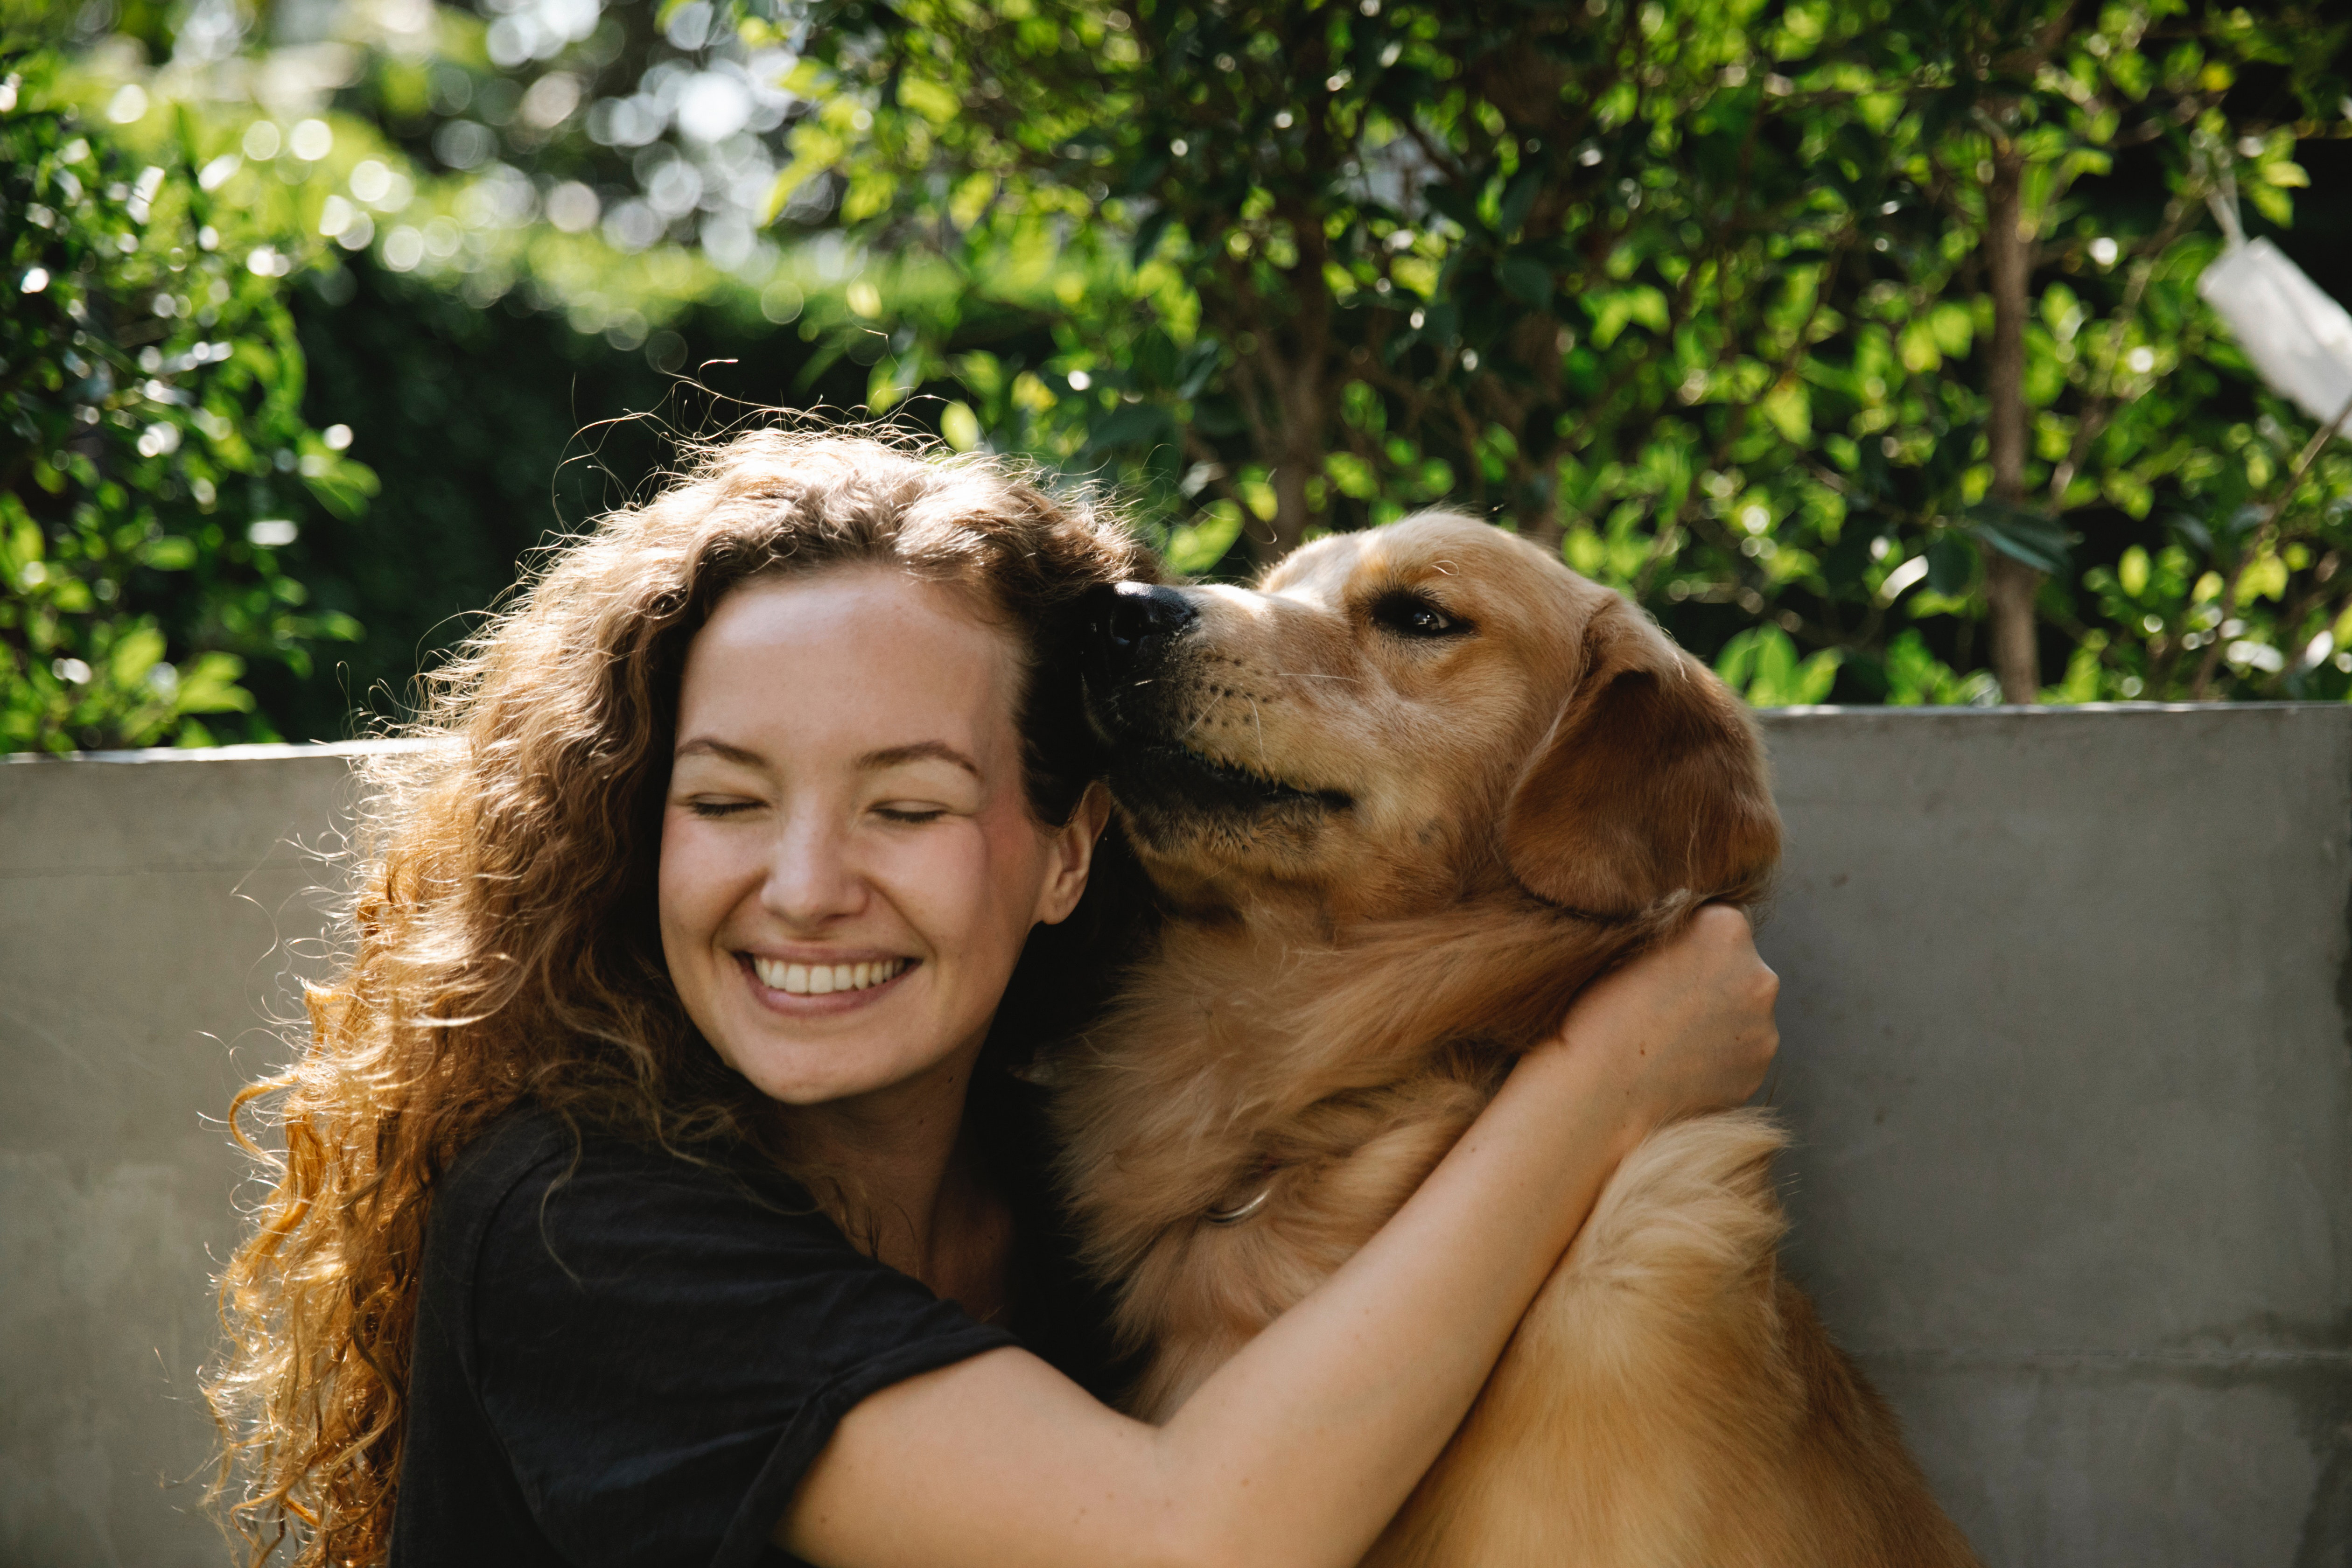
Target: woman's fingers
{"points": [[1688, 1025], [1750, 991]]}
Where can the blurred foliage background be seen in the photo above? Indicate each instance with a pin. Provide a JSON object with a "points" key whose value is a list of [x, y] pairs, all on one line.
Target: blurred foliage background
{"points": [[1860, 341]]}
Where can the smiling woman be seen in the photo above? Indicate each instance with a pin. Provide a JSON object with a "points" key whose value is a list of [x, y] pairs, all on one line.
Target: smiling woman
{"points": [[802, 709], [652, 1190]]}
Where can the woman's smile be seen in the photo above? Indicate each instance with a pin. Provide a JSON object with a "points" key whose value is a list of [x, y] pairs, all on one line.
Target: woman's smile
{"points": [[817, 987]]}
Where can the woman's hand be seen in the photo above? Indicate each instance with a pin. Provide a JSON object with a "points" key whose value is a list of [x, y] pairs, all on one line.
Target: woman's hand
{"points": [[1685, 1027]]}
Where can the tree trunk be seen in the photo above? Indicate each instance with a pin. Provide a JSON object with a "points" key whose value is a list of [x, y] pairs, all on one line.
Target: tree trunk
{"points": [[1301, 382], [1292, 515], [2009, 583], [1297, 457], [1543, 526]]}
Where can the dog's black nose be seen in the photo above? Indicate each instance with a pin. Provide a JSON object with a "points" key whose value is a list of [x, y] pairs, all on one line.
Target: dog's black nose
{"points": [[1131, 624]]}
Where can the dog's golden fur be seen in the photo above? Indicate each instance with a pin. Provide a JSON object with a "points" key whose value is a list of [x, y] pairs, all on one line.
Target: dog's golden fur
{"points": [[1401, 804]]}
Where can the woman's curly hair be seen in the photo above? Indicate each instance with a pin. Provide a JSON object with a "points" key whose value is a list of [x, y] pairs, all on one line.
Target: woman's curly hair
{"points": [[502, 944]]}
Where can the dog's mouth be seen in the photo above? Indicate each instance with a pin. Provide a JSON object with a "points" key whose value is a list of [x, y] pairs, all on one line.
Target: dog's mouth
{"points": [[1154, 775], [1157, 770]]}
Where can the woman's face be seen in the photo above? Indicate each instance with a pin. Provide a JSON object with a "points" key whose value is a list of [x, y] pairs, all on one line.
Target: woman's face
{"points": [[848, 863]]}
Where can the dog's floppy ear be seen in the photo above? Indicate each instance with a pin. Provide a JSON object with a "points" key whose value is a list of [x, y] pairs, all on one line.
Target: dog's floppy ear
{"points": [[1651, 781]]}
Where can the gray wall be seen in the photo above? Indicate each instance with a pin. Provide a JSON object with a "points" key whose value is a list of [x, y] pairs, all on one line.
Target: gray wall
{"points": [[149, 909], [2065, 1048]]}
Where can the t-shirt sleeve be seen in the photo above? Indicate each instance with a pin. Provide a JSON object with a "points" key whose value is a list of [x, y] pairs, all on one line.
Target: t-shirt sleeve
{"points": [[662, 1354]]}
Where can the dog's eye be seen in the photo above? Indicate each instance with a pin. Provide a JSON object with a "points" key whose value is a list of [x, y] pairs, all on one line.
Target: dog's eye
{"points": [[1427, 622], [1410, 615]]}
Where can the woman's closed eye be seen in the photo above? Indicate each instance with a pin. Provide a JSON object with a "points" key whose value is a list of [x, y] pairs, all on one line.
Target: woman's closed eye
{"points": [[909, 812], [714, 806]]}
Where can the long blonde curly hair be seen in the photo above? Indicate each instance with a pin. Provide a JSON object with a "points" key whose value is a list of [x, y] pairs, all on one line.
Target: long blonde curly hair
{"points": [[502, 945]]}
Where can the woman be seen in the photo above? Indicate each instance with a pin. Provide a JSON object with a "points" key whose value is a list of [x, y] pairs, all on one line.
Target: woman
{"points": [[653, 1190]]}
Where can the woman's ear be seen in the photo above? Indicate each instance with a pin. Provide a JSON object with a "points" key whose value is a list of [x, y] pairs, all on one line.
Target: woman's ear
{"points": [[1072, 856], [1651, 781]]}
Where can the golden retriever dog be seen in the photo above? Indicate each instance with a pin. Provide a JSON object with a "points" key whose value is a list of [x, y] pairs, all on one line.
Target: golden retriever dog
{"points": [[1398, 804]]}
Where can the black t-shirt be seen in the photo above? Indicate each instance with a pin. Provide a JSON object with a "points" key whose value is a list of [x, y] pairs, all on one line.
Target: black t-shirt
{"points": [[624, 1357]]}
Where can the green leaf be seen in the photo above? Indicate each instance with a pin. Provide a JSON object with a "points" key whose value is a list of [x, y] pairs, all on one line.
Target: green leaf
{"points": [[958, 427], [1193, 371], [172, 552], [1612, 309], [1194, 548], [2131, 571], [1131, 425], [1761, 664], [1920, 352], [1951, 565], [1352, 475], [2081, 681], [930, 98], [1520, 196], [1952, 328], [2022, 534], [135, 653], [1148, 234], [1455, 203], [1527, 279], [1916, 676], [208, 685], [1789, 410], [1815, 678], [1735, 663], [870, 195], [1153, 359]]}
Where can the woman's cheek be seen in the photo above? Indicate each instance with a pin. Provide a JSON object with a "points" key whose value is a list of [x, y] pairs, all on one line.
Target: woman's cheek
{"points": [[692, 887], [672, 885], [956, 887], [1018, 857], [930, 877], [676, 880]]}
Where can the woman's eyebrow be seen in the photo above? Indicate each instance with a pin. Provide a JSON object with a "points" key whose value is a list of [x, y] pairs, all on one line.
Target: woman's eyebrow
{"points": [[704, 744], [898, 756]]}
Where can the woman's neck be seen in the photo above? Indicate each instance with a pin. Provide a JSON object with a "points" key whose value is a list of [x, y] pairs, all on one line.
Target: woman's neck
{"points": [[917, 1196]]}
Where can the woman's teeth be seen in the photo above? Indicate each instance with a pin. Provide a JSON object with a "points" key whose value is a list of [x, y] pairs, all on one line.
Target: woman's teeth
{"points": [[824, 979]]}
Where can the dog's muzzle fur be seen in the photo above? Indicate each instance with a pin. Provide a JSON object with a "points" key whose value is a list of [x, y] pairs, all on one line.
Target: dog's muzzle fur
{"points": [[1136, 647]]}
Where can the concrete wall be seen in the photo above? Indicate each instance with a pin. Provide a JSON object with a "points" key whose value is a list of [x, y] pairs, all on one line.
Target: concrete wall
{"points": [[149, 908], [2065, 1046]]}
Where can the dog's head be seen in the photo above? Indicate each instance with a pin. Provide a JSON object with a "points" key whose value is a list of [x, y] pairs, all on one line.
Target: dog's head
{"points": [[1399, 719]]}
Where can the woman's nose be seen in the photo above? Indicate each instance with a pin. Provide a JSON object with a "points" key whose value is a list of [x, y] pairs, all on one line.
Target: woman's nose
{"points": [[810, 876]]}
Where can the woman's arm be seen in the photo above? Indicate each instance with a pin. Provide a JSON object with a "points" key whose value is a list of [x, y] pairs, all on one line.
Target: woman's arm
{"points": [[1300, 1449]]}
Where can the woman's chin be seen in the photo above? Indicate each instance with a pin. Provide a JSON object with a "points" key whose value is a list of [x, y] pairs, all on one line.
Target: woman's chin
{"points": [[815, 1050], [800, 1076]]}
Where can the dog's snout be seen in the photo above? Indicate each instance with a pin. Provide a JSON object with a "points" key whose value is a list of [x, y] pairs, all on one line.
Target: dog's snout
{"points": [[1131, 624]]}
